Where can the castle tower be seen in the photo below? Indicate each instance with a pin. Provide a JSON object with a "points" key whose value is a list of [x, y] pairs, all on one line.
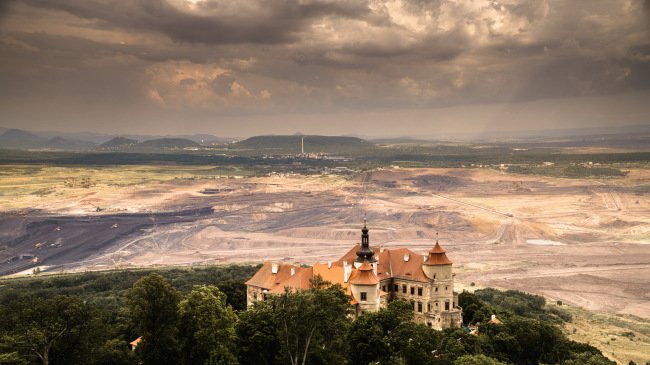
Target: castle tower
{"points": [[443, 302], [364, 286], [365, 253], [437, 266]]}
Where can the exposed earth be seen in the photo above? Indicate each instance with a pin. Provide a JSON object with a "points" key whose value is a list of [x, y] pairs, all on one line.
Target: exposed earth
{"points": [[582, 241]]}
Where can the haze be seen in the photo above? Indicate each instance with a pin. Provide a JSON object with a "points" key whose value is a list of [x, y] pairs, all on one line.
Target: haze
{"points": [[376, 68]]}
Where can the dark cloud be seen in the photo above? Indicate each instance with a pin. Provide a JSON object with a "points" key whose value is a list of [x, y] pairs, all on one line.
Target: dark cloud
{"points": [[249, 58], [267, 23]]}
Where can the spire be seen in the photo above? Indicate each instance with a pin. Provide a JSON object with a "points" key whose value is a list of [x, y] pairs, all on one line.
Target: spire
{"points": [[365, 253]]}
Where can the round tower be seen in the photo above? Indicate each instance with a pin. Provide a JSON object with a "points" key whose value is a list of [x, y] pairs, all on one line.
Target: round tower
{"points": [[364, 286], [437, 267]]}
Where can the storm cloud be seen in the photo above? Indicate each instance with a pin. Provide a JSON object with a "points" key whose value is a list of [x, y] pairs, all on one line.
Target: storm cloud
{"points": [[279, 66]]}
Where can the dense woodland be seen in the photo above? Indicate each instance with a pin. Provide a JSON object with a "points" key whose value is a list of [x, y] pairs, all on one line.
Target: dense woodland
{"points": [[197, 316]]}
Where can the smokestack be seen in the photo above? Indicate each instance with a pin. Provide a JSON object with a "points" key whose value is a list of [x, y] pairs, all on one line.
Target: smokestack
{"points": [[302, 145]]}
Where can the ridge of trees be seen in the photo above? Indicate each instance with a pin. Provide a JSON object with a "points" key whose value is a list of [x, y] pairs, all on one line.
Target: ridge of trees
{"points": [[198, 324]]}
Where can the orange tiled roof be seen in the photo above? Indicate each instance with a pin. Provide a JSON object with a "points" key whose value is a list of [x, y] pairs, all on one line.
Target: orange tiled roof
{"points": [[400, 263], [364, 275], [410, 269], [266, 279], [136, 342], [333, 274], [301, 280], [391, 263], [437, 256]]}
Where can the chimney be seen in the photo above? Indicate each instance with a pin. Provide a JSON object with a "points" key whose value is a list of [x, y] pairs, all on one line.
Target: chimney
{"points": [[407, 256], [274, 268], [329, 264], [493, 317], [374, 268], [293, 271], [347, 271]]}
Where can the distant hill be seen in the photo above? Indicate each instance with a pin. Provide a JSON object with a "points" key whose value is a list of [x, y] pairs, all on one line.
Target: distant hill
{"points": [[168, 143], [313, 144], [66, 143], [18, 138], [117, 143]]}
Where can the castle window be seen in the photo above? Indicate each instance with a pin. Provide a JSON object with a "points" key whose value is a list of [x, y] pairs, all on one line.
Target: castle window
{"points": [[429, 324], [446, 288], [446, 306], [413, 304], [419, 291], [404, 289], [396, 288], [420, 307], [412, 291], [436, 289], [383, 288], [364, 296], [428, 307]]}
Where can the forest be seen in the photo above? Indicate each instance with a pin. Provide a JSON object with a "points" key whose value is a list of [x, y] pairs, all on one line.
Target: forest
{"points": [[199, 316]]}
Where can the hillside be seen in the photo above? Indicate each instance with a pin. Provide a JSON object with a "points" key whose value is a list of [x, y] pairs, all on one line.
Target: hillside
{"points": [[313, 144], [168, 143], [117, 143], [20, 138], [17, 138]]}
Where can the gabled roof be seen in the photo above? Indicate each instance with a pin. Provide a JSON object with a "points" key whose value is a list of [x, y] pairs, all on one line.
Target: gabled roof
{"points": [[391, 263], [300, 280], [266, 279], [333, 274], [399, 263], [405, 264], [135, 342]]}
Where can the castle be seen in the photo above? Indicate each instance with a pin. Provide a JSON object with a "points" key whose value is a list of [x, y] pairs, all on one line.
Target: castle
{"points": [[373, 277]]}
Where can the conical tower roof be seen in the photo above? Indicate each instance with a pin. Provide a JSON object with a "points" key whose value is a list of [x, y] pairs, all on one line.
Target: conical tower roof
{"points": [[437, 256], [364, 275]]}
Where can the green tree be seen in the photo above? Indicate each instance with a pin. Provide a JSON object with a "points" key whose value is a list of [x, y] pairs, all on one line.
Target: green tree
{"points": [[587, 358], [153, 304], [114, 352], [477, 360], [312, 325], [45, 328], [207, 327], [370, 336], [257, 334]]}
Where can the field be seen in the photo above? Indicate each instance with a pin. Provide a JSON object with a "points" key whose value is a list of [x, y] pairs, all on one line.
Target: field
{"points": [[581, 241]]}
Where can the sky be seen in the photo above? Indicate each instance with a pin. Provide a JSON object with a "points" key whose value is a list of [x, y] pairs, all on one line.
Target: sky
{"points": [[420, 68]]}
